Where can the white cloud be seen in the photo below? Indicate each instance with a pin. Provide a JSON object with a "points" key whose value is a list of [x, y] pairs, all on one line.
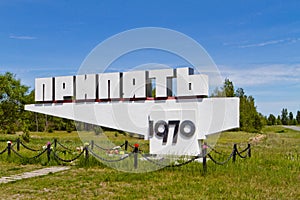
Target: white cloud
{"points": [[262, 44], [273, 86], [22, 37], [256, 75], [270, 42]]}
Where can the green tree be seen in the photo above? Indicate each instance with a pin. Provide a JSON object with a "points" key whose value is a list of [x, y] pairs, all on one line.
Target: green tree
{"points": [[291, 118], [228, 88], [250, 119], [284, 116], [278, 120], [264, 119], [13, 97], [240, 93], [298, 117], [271, 120]]}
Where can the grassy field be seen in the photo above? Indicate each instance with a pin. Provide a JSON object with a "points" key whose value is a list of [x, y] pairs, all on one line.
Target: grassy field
{"points": [[273, 172]]}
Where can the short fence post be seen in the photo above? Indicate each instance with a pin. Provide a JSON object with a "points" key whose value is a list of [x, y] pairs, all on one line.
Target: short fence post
{"points": [[18, 144], [135, 153], [249, 150], [8, 148], [86, 149], [48, 150], [55, 142], [234, 153], [92, 144], [204, 152], [126, 145]]}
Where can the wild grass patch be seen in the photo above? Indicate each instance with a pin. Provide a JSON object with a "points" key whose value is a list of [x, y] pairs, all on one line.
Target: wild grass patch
{"points": [[273, 172]]}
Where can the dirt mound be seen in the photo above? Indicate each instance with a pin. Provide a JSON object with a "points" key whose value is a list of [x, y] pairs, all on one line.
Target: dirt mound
{"points": [[257, 138]]}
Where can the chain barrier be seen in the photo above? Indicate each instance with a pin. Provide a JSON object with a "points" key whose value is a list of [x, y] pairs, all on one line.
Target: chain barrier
{"points": [[240, 153], [213, 149], [4, 150], [131, 145], [107, 149], [220, 163], [241, 156], [175, 165], [245, 149], [185, 163], [26, 147], [122, 145], [70, 160], [63, 146], [152, 161], [34, 157], [233, 155], [106, 160], [135, 153], [126, 144]]}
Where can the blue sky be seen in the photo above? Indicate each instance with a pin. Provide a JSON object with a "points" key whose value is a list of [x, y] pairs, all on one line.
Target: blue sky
{"points": [[256, 44]]}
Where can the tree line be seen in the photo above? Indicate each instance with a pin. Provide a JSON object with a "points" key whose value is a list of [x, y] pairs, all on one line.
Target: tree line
{"points": [[250, 119], [14, 96], [286, 118]]}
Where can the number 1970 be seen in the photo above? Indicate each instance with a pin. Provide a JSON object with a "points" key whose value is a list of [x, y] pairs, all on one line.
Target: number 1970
{"points": [[161, 129]]}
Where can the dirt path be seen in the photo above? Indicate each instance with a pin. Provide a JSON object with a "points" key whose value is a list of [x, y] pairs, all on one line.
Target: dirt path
{"points": [[35, 173], [296, 128]]}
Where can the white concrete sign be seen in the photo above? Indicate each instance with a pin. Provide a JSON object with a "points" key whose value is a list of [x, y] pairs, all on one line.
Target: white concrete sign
{"points": [[174, 120]]}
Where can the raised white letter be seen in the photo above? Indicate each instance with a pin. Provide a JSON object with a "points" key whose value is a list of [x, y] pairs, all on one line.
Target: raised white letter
{"points": [[109, 85], [190, 84], [43, 89], [134, 84], [64, 87], [163, 81], [86, 86]]}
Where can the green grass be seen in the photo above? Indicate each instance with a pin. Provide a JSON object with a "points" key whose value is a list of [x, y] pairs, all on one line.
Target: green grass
{"points": [[10, 168], [273, 172]]}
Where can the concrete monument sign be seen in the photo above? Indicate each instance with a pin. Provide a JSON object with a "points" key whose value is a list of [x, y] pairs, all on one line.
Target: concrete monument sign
{"points": [[175, 120], [170, 107]]}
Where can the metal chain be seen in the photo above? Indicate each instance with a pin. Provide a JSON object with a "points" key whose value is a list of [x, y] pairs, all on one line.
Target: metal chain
{"points": [[106, 160], [185, 163], [152, 161], [64, 160], [220, 163], [240, 155], [244, 150], [26, 147], [29, 157], [63, 146], [3, 151], [107, 149], [213, 149]]}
